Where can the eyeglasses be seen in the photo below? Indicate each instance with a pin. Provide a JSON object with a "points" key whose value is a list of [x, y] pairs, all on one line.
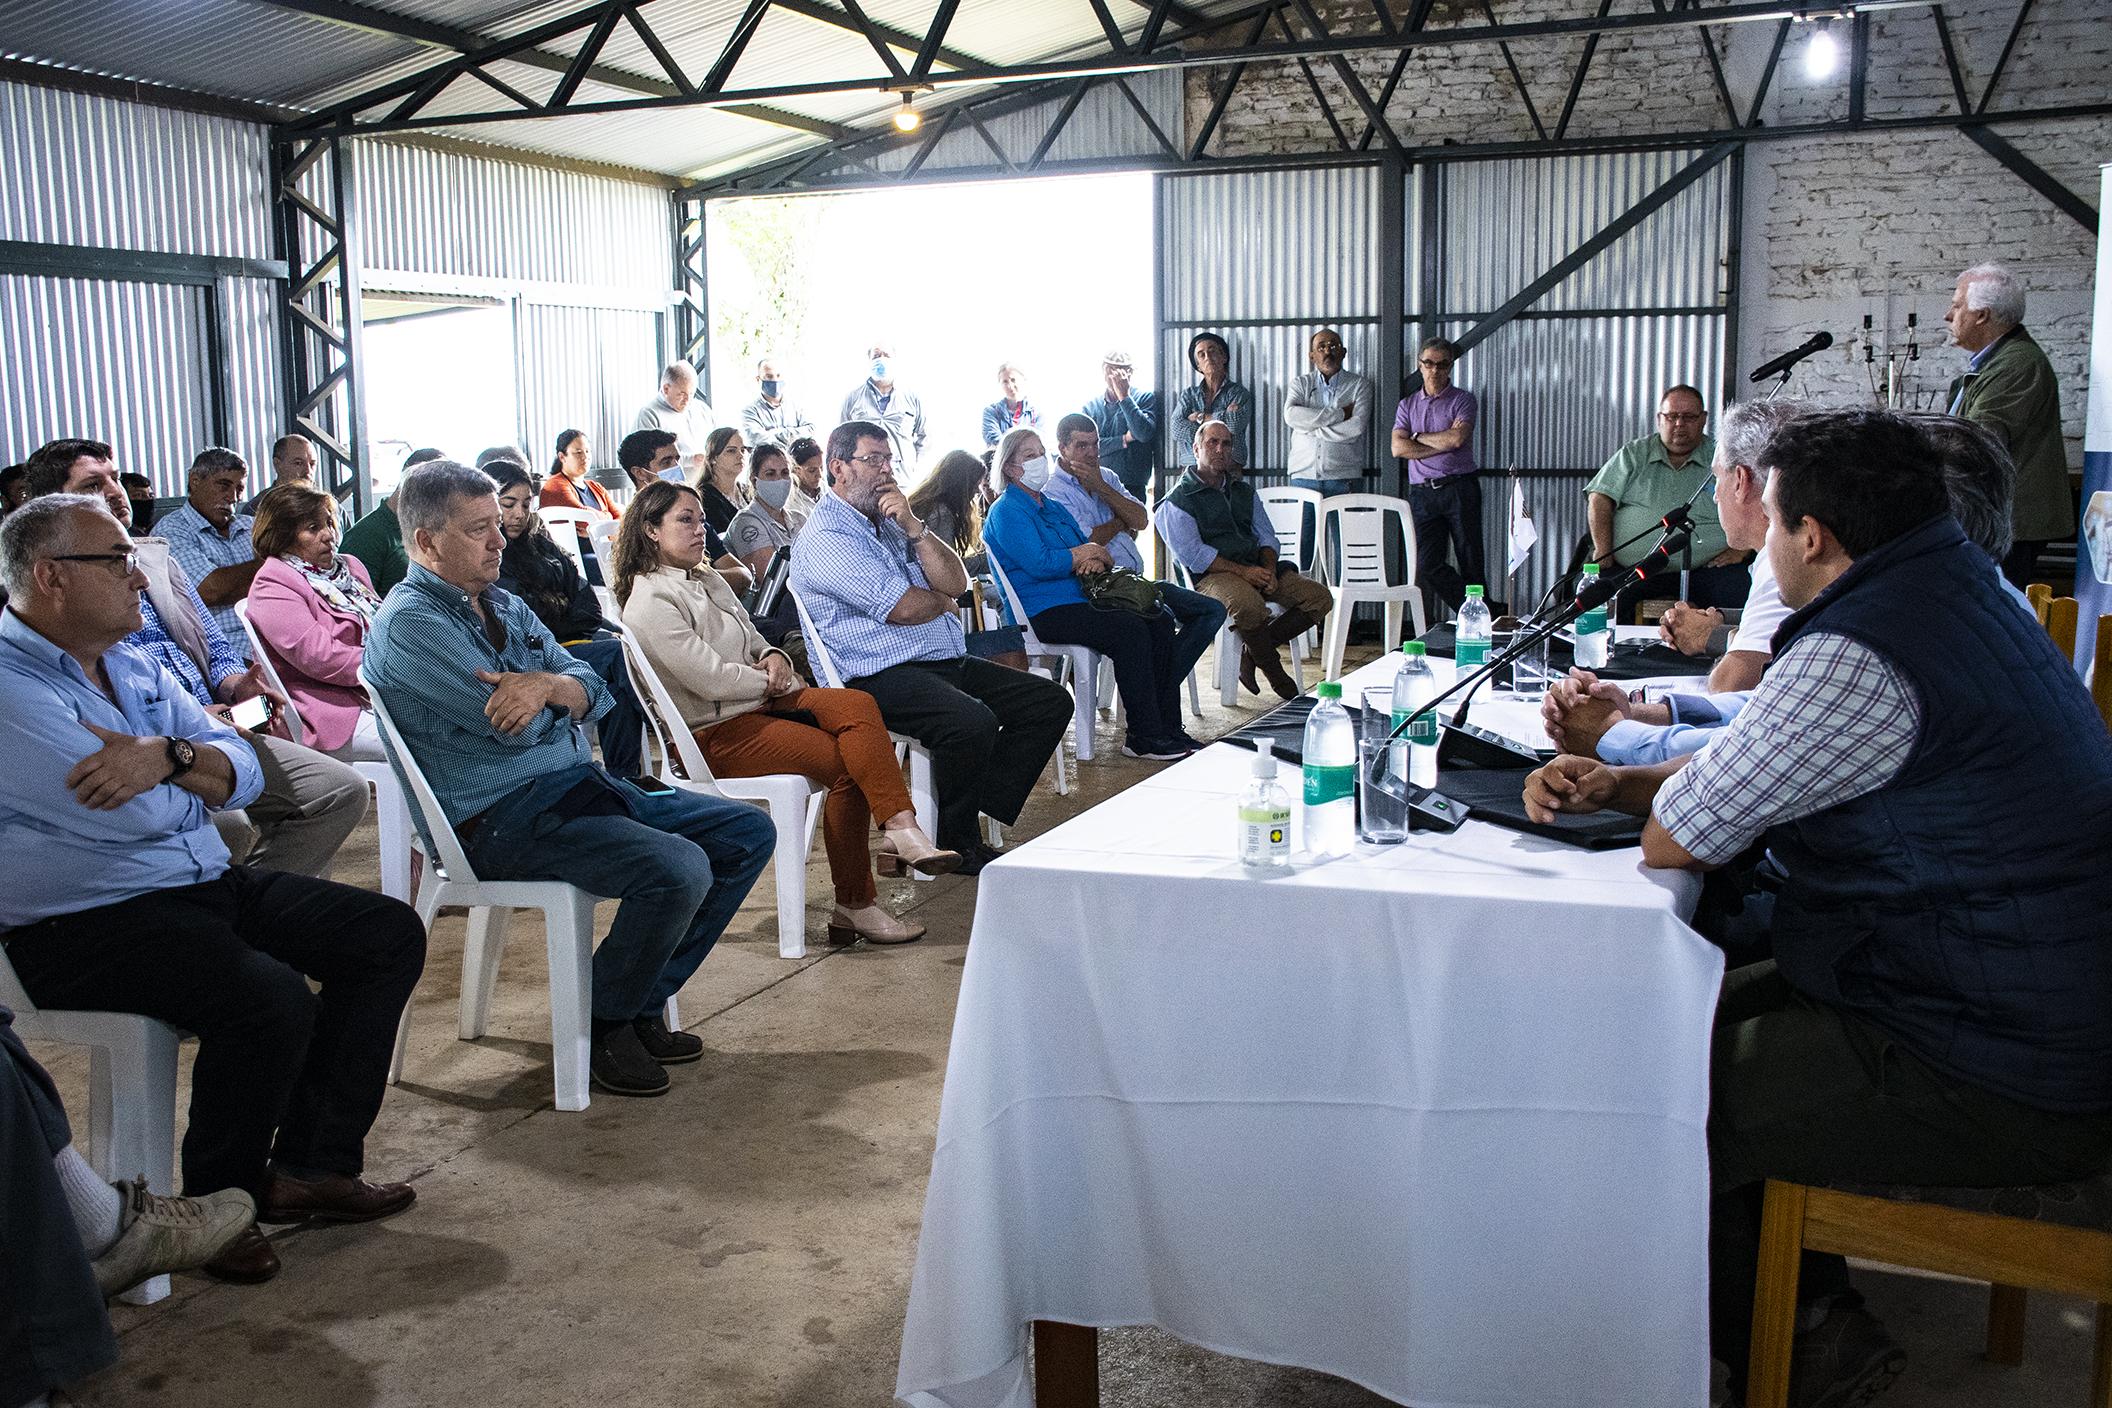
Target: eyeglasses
{"points": [[1434, 365], [129, 559], [1682, 417], [874, 461]]}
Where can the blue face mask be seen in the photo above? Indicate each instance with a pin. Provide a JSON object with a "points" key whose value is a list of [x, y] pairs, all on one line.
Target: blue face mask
{"points": [[771, 387], [880, 369]]}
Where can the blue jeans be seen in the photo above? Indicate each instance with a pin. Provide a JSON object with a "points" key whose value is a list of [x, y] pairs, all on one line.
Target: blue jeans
{"points": [[1197, 619], [621, 727], [680, 865]]}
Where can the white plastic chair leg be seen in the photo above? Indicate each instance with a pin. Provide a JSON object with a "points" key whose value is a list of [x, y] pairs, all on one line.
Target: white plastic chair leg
{"points": [[923, 797], [1195, 695], [481, 949], [1337, 642], [1084, 712], [393, 818], [790, 862], [1228, 648], [994, 832], [132, 1123], [569, 938], [671, 1013], [428, 905]]}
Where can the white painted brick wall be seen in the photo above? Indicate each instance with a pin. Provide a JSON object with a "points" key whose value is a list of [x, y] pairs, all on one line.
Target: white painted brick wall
{"points": [[1834, 227]]}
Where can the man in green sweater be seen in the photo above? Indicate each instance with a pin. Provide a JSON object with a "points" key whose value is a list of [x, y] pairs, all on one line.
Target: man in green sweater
{"points": [[2009, 387]]}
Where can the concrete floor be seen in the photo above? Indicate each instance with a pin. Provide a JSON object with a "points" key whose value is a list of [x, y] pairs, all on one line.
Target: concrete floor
{"points": [[746, 1239]]}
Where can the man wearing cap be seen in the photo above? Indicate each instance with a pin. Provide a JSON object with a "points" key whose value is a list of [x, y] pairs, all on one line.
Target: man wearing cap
{"points": [[1129, 426]]}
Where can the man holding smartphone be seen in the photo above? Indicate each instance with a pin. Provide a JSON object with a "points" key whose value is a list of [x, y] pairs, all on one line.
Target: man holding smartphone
{"points": [[310, 803]]}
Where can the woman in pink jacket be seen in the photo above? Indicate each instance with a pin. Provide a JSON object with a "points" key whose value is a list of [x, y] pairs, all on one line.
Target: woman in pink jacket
{"points": [[312, 606]]}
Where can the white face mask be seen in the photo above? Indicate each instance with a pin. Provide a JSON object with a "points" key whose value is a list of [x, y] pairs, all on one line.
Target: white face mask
{"points": [[1034, 473], [773, 491]]}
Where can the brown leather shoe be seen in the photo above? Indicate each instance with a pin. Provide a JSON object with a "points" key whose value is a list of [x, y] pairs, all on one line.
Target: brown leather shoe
{"points": [[335, 1197], [247, 1261]]}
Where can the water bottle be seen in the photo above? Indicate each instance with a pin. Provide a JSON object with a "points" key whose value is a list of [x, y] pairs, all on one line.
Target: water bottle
{"points": [[1470, 634], [1594, 638], [1415, 685], [1330, 775], [1264, 814]]}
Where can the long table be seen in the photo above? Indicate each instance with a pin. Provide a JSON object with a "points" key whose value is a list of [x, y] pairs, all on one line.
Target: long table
{"points": [[1429, 1117]]}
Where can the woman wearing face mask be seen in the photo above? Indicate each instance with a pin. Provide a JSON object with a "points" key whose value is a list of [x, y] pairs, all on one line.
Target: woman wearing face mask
{"points": [[537, 571], [1043, 553], [721, 488], [755, 535], [751, 714]]}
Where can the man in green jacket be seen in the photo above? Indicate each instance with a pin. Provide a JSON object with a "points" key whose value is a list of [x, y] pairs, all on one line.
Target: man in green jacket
{"points": [[2009, 387]]}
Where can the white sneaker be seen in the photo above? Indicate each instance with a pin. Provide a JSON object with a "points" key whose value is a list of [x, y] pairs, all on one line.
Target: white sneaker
{"points": [[158, 1234]]}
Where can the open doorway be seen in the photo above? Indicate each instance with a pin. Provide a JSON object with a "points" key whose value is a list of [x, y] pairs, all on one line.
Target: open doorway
{"points": [[436, 371], [1048, 274]]}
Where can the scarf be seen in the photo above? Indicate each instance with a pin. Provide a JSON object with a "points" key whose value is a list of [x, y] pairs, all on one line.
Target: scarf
{"points": [[340, 590]]}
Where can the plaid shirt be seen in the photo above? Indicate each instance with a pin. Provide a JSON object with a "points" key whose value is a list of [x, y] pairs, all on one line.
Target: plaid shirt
{"points": [[1830, 722], [849, 572], [201, 550]]}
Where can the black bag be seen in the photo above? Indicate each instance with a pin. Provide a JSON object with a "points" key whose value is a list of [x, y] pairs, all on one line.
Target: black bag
{"points": [[1119, 589]]}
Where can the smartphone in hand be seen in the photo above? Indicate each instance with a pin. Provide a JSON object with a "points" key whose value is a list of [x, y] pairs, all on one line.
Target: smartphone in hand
{"points": [[252, 714]]}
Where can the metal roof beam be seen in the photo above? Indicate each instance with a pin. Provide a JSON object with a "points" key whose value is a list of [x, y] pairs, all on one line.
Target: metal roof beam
{"points": [[2035, 176], [893, 38]]}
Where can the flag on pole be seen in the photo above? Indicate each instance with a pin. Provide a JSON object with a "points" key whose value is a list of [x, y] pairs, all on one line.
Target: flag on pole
{"points": [[1523, 534]]}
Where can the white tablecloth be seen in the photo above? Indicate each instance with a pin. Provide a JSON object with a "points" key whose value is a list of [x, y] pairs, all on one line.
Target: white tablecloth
{"points": [[1429, 1117]]}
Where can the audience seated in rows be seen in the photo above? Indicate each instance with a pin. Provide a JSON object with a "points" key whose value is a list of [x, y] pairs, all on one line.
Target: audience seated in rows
{"points": [[211, 541], [309, 803], [1044, 554], [490, 705], [752, 714], [73, 1239], [1934, 787], [312, 606], [1216, 526], [121, 897], [881, 589], [951, 502]]}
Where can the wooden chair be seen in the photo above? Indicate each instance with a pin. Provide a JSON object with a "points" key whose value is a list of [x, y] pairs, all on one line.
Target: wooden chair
{"points": [[2100, 680], [2052, 1238]]}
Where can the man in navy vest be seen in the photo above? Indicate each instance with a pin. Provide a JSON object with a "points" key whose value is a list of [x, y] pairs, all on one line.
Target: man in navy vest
{"points": [[1936, 787]]}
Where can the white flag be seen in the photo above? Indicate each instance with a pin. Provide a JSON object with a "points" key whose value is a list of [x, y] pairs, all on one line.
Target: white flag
{"points": [[1523, 534]]}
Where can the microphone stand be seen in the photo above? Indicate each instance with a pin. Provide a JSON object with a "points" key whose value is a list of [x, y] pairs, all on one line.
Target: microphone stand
{"points": [[1428, 809]]}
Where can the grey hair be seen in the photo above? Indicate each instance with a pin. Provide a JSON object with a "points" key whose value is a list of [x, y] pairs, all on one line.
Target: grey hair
{"points": [[425, 497], [216, 459], [28, 535], [1994, 288], [1980, 477], [677, 370], [1747, 426]]}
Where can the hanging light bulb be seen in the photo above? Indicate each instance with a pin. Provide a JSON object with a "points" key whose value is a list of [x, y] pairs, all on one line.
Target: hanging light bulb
{"points": [[1823, 54], [907, 118]]}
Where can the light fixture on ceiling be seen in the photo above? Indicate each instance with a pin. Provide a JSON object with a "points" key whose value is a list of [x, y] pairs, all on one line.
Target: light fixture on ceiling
{"points": [[1822, 53], [907, 118]]}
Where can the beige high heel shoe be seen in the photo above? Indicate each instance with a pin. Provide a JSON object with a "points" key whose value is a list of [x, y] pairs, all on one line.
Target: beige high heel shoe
{"points": [[873, 924], [914, 849]]}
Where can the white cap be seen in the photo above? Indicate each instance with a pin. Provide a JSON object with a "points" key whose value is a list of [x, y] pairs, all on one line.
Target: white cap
{"points": [[1264, 764]]}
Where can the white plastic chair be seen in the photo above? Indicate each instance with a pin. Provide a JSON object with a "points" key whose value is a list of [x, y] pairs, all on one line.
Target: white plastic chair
{"points": [[568, 926], [1228, 649], [923, 794], [566, 524], [392, 816], [602, 538], [1287, 507], [1077, 669], [131, 1091], [1357, 523], [794, 801]]}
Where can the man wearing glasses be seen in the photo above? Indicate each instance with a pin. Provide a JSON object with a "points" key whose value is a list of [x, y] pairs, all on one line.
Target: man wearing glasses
{"points": [[1434, 431], [1645, 480], [880, 589]]}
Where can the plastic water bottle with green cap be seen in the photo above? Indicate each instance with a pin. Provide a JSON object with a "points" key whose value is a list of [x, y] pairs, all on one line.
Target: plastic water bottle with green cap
{"points": [[1594, 636], [1264, 814], [1415, 685], [1471, 632], [1330, 775]]}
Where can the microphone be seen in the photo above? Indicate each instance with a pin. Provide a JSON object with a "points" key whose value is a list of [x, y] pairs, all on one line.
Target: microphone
{"points": [[1818, 342]]}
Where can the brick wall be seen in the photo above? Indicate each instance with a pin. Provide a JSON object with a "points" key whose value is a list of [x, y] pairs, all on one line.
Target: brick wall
{"points": [[1835, 227]]}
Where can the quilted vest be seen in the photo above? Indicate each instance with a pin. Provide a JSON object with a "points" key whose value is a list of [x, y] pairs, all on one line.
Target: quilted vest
{"points": [[1225, 518]]}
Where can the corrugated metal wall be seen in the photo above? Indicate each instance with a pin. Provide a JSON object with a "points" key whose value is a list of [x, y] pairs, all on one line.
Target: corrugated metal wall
{"points": [[582, 368], [1265, 259]]}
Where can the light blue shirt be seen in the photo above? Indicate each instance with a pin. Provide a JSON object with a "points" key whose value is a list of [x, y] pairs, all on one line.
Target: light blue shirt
{"points": [[1032, 542], [423, 655], [202, 550], [1185, 541], [63, 857], [849, 573], [1089, 513]]}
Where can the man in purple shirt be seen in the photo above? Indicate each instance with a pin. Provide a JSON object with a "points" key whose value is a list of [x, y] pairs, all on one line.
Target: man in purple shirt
{"points": [[1434, 431]]}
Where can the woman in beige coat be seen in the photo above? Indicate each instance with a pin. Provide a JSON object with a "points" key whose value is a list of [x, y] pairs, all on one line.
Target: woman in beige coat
{"points": [[752, 715]]}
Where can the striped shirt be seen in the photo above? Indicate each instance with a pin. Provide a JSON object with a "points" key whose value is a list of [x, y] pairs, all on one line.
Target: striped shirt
{"points": [[201, 550], [423, 654], [849, 573], [1830, 722], [153, 638]]}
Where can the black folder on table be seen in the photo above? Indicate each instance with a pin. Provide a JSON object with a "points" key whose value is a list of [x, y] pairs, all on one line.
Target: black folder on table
{"points": [[1489, 794]]}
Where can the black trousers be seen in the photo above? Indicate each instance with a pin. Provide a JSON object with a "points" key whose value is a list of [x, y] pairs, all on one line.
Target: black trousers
{"points": [[1447, 512], [53, 1328], [1141, 649], [1815, 1093], [990, 730], [225, 960]]}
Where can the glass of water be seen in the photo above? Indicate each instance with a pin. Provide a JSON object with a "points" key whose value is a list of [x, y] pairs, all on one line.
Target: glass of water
{"points": [[1382, 791]]}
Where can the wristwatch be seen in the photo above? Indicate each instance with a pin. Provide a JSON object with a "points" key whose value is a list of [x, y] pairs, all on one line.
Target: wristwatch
{"points": [[182, 755]]}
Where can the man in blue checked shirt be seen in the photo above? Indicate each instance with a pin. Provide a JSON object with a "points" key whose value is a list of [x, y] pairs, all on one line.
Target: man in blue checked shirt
{"points": [[120, 897], [211, 541], [491, 706], [880, 589]]}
